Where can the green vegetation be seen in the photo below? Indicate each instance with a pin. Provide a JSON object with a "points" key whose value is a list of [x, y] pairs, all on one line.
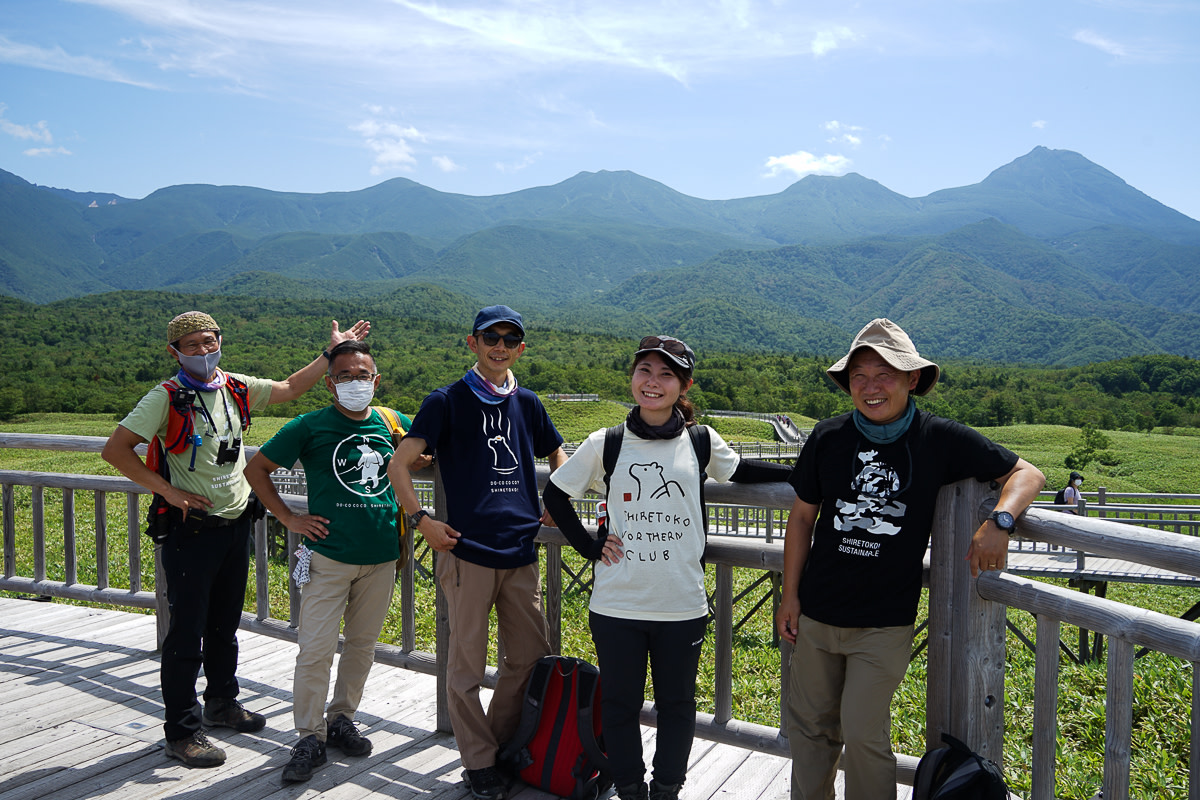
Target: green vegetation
{"points": [[100, 355]]}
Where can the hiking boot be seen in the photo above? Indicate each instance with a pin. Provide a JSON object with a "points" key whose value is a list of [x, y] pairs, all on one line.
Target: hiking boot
{"points": [[665, 791], [486, 783], [196, 751], [229, 713], [634, 791], [342, 734], [307, 755]]}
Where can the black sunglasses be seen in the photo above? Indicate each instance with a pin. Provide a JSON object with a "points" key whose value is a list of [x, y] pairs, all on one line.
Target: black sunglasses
{"points": [[491, 339], [667, 343]]}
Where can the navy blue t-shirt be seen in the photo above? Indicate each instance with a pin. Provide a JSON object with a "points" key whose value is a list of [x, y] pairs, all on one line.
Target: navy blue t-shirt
{"points": [[877, 503], [486, 455]]}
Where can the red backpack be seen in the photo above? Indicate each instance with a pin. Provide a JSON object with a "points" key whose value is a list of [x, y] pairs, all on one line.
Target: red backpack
{"points": [[558, 746]]}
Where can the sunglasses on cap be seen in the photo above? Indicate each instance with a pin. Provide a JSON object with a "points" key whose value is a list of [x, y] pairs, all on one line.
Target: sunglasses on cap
{"points": [[671, 346], [491, 339]]}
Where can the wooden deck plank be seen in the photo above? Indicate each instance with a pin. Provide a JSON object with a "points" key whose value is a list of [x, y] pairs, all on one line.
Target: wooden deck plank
{"points": [[83, 721]]}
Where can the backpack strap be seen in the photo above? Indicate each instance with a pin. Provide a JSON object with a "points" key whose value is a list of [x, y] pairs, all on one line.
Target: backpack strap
{"points": [[179, 417], [241, 398], [612, 451], [531, 709], [587, 698], [702, 444], [395, 424]]}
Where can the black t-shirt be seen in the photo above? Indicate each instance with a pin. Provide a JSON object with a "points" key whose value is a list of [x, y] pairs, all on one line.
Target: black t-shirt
{"points": [[877, 504]]}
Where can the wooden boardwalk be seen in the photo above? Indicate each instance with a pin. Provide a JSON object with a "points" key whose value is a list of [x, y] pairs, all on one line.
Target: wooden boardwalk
{"points": [[82, 718]]}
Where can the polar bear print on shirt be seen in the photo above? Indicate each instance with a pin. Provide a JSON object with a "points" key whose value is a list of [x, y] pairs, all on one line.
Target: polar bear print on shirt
{"points": [[651, 475]]}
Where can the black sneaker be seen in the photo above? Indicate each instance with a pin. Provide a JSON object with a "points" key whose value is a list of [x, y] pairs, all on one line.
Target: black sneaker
{"points": [[664, 791], [196, 751], [486, 783], [342, 734], [229, 713], [307, 755], [635, 791]]}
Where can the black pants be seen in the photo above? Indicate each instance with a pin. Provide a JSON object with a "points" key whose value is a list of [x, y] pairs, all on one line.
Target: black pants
{"points": [[206, 589], [623, 647]]}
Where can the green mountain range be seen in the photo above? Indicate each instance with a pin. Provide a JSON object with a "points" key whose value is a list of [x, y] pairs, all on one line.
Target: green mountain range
{"points": [[1051, 259]]}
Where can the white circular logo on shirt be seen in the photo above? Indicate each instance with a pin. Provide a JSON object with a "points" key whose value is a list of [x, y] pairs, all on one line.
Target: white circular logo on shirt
{"points": [[360, 464]]}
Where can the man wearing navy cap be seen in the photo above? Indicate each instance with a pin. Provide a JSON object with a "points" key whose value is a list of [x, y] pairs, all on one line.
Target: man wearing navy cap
{"points": [[485, 433]]}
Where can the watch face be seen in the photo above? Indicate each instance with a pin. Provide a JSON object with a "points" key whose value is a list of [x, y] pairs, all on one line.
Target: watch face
{"points": [[1005, 520]]}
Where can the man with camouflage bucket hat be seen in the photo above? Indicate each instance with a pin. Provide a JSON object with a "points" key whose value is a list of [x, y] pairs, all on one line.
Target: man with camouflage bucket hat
{"points": [[198, 416]]}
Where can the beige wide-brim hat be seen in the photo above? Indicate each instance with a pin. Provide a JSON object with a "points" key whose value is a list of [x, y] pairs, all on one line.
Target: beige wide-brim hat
{"points": [[893, 345]]}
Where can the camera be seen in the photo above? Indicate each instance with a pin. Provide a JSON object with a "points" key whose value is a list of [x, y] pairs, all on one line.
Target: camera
{"points": [[228, 452]]}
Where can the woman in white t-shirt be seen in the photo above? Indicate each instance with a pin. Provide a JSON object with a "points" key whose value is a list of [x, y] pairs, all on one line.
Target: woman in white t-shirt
{"points": [[648, 604]]}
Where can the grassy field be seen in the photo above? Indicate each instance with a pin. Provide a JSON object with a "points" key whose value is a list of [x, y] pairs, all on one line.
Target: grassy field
{"points": [[1154, 462]]}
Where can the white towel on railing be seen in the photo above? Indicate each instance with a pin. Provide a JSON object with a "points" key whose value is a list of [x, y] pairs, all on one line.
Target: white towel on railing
{"points": [[303, 559]]}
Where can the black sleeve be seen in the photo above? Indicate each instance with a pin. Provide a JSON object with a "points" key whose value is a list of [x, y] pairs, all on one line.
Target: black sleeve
{"points": [[755, 471], [558, 503]]}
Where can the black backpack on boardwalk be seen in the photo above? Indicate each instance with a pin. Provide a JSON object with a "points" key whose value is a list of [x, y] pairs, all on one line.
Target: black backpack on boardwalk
{"points": [[1060, 499], [957, 773], [558, 747]]}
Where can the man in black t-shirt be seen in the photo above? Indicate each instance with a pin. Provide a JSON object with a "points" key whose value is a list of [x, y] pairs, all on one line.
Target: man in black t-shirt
{"points": [[866, 485]]}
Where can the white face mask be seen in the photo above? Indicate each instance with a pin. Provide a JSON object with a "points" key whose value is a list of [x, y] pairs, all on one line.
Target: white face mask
{"points": [[1077, 483], [355, 395]]}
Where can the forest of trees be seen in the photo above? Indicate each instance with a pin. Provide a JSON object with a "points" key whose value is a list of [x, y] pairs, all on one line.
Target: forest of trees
{"points": [[101, 354]]}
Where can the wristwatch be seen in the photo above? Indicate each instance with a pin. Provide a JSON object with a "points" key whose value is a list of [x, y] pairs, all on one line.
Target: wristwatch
{"points": [[1004, 521], [414, 519]]}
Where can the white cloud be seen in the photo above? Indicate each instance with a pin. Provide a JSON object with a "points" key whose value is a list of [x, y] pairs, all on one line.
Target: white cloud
{"points": [[55, 59], [844, 134], [517, 166], [38, 133], [446, 164], [47, 151], [1039, 124], [802, 163], [1093, 39], [391, 144], [420, 41], [825, 41]]}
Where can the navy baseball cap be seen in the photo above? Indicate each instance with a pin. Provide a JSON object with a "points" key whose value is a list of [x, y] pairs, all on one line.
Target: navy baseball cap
{"points": [[489, 316]]}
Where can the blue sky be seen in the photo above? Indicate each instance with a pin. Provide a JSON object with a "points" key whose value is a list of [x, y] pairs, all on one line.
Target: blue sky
{"points": [[714, 99]]}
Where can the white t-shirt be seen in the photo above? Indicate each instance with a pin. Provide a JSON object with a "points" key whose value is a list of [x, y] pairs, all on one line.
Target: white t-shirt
{"points": [[654, 506]]}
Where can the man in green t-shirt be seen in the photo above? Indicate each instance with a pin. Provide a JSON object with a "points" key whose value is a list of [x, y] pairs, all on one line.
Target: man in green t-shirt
{"points": [[348, 558], [199, 416]]}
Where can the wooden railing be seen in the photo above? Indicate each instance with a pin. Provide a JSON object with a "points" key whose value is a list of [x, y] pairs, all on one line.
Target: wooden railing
{"points": [[966, 658]]}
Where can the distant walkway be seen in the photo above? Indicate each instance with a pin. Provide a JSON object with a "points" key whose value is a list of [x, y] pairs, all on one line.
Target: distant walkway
{"points": [[83, 719], [786, 431]]}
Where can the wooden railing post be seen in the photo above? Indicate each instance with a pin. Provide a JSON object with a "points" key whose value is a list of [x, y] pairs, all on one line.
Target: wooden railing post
{"points": [[723, 646], [552, 597], [965, 691]]}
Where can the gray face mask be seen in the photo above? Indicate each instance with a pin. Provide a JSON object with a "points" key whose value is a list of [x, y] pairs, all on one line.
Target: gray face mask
{"points": [[200, 366]]}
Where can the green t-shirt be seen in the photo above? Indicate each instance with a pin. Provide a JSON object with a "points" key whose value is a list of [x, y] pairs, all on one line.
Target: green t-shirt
{"points": [[223, 484], [345, 464]]}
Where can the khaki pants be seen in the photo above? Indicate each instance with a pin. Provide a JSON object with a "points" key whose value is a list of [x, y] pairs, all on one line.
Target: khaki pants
{"points": [[359, 593], [840, 688], [471, 592]]}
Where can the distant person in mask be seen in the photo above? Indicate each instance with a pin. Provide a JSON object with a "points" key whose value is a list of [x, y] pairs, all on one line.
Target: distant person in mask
{"points": [[348, 554], [1073, 492], [204, 526]]}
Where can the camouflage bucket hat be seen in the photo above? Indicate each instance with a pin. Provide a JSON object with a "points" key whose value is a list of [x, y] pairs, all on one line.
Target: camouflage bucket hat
{"points": [[190, 322]]}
